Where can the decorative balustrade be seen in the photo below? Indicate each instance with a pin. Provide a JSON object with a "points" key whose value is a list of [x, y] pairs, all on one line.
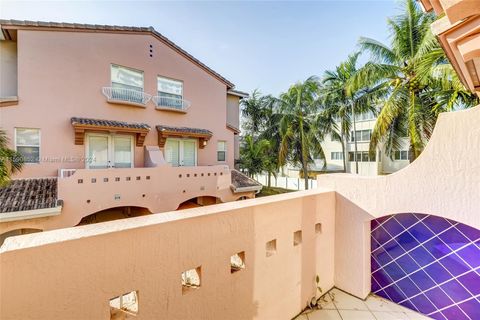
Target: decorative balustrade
{"points": [[170, 103], [126, 96]]}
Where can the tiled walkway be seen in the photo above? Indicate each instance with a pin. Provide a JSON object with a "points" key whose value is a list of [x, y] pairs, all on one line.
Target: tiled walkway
{"points": [[339, 305]]}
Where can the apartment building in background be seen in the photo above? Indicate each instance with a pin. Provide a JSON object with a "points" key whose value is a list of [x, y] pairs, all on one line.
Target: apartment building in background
{"points": [[112, 122], [368, 164]]}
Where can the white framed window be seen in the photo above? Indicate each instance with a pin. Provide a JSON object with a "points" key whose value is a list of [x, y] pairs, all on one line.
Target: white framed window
{"points": [[369, 115], [362, 156], [170, 91], [401, 155], [336, 156], [361, 136], [126, 78], [222, 151], [27, 143]]}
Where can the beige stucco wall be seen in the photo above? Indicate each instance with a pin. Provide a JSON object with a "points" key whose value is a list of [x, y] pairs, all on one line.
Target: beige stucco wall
{"points": [[8, 69], [233, 111], [443, 181], [61, 74], [72, 273]]}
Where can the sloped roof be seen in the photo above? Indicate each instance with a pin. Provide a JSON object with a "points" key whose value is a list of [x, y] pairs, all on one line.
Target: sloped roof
{"points": [[108, 123], [29, 194], [18, 24], [242, 183], [185, 130]]}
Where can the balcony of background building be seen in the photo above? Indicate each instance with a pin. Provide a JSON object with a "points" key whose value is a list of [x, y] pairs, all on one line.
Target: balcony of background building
{"points": [[126, 96]]}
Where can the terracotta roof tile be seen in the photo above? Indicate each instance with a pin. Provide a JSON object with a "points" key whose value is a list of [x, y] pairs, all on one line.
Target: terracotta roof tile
{"points": [[80, 26], [108, 123], [240, 181], [184, 130], [29, 194]]}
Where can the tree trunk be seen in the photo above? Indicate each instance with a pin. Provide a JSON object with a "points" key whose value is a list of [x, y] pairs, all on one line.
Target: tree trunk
{"points": [[343, 142], [269, 179], [355, 138], [305, 174]]}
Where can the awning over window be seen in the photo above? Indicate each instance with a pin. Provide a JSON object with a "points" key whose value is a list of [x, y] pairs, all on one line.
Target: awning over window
{"points": [[203, 135], [81, 125]]}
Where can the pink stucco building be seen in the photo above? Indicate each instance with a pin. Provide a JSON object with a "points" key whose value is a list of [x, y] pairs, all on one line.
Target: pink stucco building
{"points": [[112, 117]]}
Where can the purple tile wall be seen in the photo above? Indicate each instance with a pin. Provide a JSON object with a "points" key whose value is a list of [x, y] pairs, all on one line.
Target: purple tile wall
{"points": [[428, 264]]}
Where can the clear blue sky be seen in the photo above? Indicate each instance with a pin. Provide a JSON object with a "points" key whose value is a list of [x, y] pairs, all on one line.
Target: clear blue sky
{"points": [[265, 45]]}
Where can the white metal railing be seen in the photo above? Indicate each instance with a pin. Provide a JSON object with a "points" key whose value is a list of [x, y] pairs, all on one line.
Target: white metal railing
{"points": [[126, 95], [171, 103], [65, 173]]}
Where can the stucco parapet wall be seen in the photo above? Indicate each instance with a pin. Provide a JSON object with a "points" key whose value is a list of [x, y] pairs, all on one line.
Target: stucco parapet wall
{"points": [[80, 27], [444, 180], [74, 233]]}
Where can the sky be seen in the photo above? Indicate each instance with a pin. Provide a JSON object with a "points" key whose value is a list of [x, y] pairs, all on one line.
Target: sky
{"points": [[256, 45]]}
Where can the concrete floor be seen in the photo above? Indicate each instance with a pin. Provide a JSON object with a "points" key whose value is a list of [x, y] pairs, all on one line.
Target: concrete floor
{"points": [[342, 306]]}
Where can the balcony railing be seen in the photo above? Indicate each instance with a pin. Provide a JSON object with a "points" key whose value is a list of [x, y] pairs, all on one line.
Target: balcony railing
{"points": [[170, 103], [126, 96]]}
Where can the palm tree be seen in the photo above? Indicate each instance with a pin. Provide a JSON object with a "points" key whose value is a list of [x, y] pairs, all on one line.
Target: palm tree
{"points": [[417, 80], [253, 112], [343, 100], [253, 155], [10, 160], [300, 137]]}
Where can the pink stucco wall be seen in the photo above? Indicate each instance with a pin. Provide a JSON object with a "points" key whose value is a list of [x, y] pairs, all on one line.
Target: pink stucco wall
{"points": [[57, 274], [60, 75]]}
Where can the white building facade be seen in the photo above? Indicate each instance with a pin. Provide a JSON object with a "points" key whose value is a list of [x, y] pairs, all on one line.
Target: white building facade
{"points": [[378, 164]]}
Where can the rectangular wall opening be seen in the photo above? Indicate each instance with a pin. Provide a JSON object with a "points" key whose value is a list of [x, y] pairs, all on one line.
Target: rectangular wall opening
{"points": [[124, 305], [297, 237], [318, 228], [271, 247], [237, 262], [191, 279]]}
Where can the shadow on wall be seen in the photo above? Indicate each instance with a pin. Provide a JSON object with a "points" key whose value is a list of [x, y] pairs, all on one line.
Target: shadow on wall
{"points": [[114, 214], [427, 263]]}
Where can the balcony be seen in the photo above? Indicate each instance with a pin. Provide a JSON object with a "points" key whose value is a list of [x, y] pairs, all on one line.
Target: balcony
{"points": [[171, 104], [90, 190], [126, 96]]}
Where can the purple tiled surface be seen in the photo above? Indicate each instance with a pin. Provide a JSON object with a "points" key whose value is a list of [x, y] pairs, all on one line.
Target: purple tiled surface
{"points": [[428, 264]]}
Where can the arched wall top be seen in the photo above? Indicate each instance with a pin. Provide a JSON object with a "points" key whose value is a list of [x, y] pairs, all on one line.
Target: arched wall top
{"points": [[444, 181]]}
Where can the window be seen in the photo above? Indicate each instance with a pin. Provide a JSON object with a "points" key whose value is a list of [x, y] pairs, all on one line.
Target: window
{"points": [[127, 84], [362, 156], [170, 93], [126, 78], [336, 156], [271, 247], [27, 143], [369, 115], [221, 151], [401, 155], [361, 136]]}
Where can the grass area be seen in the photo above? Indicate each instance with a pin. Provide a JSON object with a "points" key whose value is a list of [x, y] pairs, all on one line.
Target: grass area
{"points": [[266, 191]]}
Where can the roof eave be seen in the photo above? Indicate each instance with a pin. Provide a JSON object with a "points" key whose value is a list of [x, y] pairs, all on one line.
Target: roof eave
{"points": [[30, 214]]}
